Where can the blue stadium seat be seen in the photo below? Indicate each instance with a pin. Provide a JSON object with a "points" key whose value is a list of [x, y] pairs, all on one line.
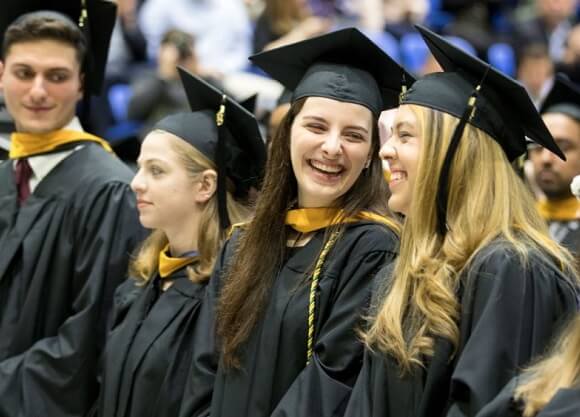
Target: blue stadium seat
{"points": [[386, 42], [502, 57], [414, 51], [462, 44], [119, 96], [437, 19]]}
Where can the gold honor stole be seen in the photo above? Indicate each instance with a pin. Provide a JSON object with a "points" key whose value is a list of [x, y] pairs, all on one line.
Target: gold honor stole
{"points": [[168, 265], [307, 220], [563, 210], [23, 145]]}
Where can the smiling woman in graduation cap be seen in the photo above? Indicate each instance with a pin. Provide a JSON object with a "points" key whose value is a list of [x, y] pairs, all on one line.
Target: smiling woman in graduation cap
{"points": [[479, 288], [154, 333], [295, 280]]}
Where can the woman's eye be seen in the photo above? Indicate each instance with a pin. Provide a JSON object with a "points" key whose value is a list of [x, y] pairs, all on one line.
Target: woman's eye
{"points": [[404, 136], [315, 127], [355, 136], [156, 170]]}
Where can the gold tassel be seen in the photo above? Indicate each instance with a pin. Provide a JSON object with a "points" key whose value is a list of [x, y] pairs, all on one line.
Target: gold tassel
{"points": [[221, 114]]}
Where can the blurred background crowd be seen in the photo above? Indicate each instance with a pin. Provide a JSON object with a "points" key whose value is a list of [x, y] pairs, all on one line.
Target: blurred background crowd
{"points": [[527, 39]]}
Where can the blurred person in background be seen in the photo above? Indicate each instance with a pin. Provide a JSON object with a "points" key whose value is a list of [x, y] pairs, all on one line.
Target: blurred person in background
{"points": [[549, 24], [561, 114], [221, 29], [159, 92], [395, 16], [287, 21], [535, 70], [570, 63]]}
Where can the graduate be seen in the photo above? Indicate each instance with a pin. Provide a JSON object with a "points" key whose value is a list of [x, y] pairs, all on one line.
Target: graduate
{"points": [[68, 218], [153, 336], [290, 286], [549, 388], [479, 288], [561, 113]]}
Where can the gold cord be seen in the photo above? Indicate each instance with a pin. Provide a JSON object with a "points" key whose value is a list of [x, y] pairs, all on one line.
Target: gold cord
{"points": [[312, 298]]}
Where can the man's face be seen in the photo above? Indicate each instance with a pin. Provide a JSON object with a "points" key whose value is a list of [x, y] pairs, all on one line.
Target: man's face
{"points": [[41, 83], [553, 175]]}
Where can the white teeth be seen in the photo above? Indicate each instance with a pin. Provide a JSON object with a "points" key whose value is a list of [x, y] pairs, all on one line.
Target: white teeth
{"points": [[331, 169], [398, 175]]}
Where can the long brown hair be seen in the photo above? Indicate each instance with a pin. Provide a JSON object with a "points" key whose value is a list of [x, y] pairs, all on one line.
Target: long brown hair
{"points": [[559, 369], [487, 201], [211, 236], [261, 248]]}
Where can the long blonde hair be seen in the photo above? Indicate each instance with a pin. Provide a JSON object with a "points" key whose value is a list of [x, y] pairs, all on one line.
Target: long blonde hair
{"points": [[211, 236], [559, 369], [487, 201]]}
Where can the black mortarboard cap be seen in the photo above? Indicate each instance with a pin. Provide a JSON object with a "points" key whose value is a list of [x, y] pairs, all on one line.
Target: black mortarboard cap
{"points": [[344, 65], [564, 97], [503, 108], [95, 18], [250, 103], [476, 93], [225, 132], [284, 98]]}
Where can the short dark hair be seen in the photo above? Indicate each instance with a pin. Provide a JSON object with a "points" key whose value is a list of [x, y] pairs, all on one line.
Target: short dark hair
{"points": [[35, 27]]}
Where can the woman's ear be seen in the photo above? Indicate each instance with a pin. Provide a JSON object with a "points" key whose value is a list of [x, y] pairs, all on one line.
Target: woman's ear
{"points": [[206, 186]]}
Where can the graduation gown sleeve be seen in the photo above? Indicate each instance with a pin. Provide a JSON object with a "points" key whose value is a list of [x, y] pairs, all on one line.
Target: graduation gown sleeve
{"points": [[202, 373], [564, 403], [56, 376], [323, 387], [510, 312]]}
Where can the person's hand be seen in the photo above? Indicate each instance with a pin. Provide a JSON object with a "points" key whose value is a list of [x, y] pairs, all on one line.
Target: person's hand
{"points": [[167, 62]]}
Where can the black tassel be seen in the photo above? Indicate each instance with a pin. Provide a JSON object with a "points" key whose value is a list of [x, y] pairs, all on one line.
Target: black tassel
{"points": [[443, 187]]}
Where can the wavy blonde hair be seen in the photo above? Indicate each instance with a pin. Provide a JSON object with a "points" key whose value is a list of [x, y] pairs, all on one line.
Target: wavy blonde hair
{"points": [[560, 369], [487, 201], [211, 236]]}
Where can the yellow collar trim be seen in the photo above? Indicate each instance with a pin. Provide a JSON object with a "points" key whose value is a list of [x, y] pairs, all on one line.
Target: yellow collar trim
{"points": [[564, 210], [23, 145], [168, 265], [310, 219]]}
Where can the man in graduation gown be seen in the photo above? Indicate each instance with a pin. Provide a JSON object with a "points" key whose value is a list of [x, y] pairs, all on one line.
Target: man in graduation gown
{"points": [[561, 113], [68, 219]]}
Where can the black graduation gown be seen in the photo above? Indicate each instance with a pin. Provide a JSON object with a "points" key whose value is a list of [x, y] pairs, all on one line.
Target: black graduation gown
{"points": [[275, 380], [509, 314], [149, 348], [62, 254], [564, 403]]}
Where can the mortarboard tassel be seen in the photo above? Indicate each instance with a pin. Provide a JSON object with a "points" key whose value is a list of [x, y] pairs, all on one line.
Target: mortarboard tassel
{"points": [[220, 159], [443, 187]]}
